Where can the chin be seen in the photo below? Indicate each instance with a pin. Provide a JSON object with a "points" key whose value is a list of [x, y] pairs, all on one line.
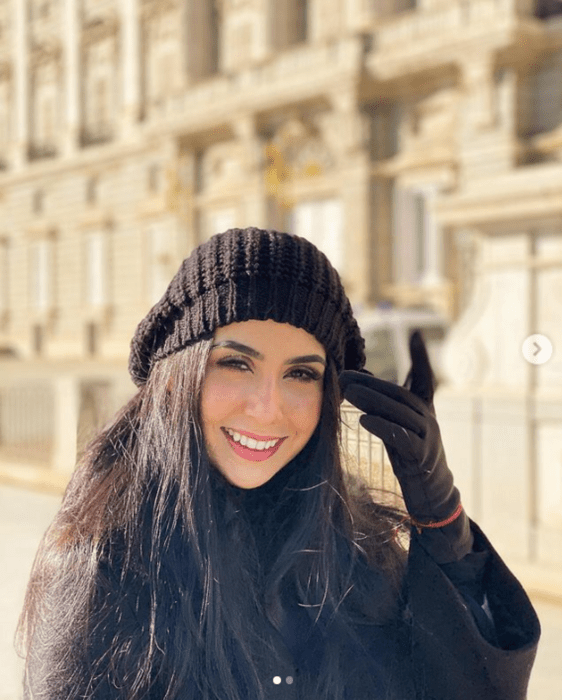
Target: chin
{"points": [[249, 481]]}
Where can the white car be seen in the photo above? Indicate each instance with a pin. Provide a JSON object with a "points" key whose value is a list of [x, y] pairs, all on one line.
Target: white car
{"points": [[387, 334]]}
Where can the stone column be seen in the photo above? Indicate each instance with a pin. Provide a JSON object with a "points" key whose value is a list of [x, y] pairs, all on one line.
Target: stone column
{"points": [[66, 423], [21, 112], [478, 83], [348, 139], [433, 263], [72, 76], [131, 66]]}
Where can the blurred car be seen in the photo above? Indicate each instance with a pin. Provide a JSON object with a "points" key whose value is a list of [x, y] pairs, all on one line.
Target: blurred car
{"points": [[387, 333]]}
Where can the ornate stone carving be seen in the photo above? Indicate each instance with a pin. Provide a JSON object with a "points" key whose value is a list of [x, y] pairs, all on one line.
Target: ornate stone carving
{"points": [[222, 165], [304, 148]]}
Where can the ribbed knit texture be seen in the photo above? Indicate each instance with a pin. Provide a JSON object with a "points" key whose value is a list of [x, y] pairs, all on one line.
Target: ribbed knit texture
{"points": [[246, 274]]}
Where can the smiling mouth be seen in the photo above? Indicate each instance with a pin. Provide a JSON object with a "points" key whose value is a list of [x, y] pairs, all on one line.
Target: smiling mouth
{"points": [[264, 444]]}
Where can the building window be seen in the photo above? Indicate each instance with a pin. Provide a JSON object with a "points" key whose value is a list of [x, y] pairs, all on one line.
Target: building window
{"points": [[38, 339], [101, 103], [202, 46], [47, 121], [154, 177], [163, 67], [91, 339], [290, 22], [45, 99], [38, 202], [99, 86], [321, 221], [416, 237], [92, 187], [41, 269], [300, 21], [384, 122], [540, 108], [96, 269]]}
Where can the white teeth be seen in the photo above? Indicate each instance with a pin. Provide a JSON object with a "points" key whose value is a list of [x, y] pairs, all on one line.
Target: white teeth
{"points": [[250, 442]]}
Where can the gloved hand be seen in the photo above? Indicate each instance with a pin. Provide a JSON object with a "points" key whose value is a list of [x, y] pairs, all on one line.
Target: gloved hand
{"points": [[404, 419]]}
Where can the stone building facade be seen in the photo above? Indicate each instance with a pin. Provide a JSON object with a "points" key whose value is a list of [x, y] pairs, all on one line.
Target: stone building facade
{"points": [[418, 142]]}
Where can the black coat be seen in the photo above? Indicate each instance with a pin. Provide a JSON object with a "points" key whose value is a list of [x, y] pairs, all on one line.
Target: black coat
{"points": [[441, 645], [440, 651]]}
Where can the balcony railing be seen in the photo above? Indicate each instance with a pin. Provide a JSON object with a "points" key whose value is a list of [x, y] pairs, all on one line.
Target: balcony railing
{"points": [[26, 422], [418, 31]]}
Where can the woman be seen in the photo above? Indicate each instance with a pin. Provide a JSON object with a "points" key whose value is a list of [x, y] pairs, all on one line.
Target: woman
{"points": [[209, 545]]}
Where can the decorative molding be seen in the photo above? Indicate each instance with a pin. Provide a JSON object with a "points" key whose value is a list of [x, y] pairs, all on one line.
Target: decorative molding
{"points": [[153, 206], [96, 218], [41, 229]]}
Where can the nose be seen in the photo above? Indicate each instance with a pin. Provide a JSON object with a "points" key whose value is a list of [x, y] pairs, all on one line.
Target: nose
{"points": [[265, 402]]}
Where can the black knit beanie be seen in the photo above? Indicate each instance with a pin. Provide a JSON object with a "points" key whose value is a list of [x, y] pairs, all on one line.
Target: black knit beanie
{"points": [[246, 274]]}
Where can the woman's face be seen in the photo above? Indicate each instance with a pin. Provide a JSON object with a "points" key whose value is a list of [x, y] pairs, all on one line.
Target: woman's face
{"points": [[263, 387]]}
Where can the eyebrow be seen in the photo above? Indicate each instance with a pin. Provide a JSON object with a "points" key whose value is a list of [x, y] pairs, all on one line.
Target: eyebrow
{"points": [[254, 353]]}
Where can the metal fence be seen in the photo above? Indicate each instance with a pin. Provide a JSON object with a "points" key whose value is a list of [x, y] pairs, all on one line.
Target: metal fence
{"points": [[27, 428], [27, 421], [364, 455]]}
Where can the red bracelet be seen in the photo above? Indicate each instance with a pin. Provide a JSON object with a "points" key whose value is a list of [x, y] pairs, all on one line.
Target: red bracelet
{"points": [[419, 526]]}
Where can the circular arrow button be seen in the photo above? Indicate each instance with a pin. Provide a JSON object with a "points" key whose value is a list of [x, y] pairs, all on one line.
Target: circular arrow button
{"points": [[537, 349]]}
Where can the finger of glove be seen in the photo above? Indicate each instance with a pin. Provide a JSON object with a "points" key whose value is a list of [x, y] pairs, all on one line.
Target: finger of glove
{"points": [[393, 391], [377, 404], [421, 380], [404, 443]]}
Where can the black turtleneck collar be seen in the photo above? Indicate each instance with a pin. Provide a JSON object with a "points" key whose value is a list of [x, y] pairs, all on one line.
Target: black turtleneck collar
{"points": [[258, 503]]}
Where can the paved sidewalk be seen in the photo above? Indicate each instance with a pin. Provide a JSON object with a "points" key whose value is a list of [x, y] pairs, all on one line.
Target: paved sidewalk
{"points": [[24, 516]]}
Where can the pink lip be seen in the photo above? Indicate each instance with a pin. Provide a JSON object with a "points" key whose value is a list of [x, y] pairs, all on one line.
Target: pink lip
{"points": [[253, 455], [256, 437]]}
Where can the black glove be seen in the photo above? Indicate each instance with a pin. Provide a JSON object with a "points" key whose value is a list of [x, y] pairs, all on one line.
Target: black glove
{"points": [[404, 419]]}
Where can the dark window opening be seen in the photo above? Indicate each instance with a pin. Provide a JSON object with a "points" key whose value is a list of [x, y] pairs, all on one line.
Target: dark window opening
{"points": [[38, 340], [548, 8], [91, 339]]}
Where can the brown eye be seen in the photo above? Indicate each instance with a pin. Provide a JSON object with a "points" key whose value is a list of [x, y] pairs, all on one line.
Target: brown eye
{"points": [[233, 363], [306, 375]]}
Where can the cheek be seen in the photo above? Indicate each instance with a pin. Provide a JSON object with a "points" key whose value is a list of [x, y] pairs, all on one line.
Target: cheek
{"points": [[306, 409], [217, 398]]}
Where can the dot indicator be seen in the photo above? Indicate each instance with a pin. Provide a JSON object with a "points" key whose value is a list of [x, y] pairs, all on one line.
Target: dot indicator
{"points": [[289, 680], [277, 680]]}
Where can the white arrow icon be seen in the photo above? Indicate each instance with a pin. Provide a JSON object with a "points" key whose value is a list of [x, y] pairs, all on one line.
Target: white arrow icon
{"points": [[537, 349]]}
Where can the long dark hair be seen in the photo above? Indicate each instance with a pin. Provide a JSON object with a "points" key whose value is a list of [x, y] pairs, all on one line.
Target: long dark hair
{"points": [[141, 535]]}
